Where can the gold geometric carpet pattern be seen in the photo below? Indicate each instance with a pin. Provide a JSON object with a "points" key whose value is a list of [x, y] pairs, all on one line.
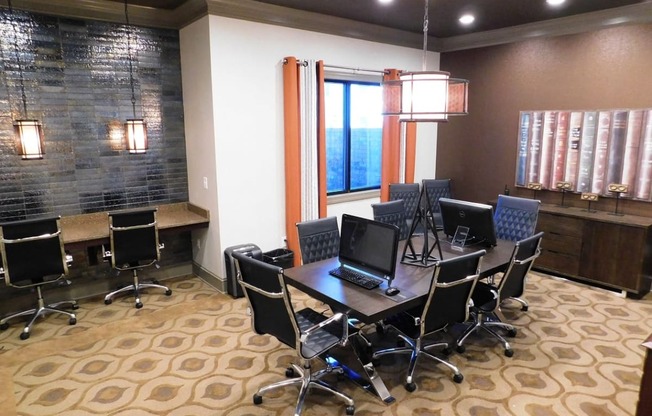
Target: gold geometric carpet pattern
{"points": [[577, 352]]}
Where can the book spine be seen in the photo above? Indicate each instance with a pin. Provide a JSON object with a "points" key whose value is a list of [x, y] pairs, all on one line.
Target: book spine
{"points": [[547, 141], [521, 164], [573, 152], [560, 147], [600, 153], [587, 145], [616, 146], [632, 146], [644, 172], [535, 147]]}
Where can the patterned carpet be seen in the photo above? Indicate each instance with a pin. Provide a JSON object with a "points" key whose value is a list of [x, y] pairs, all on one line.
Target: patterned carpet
{"points": [[577, 353]]}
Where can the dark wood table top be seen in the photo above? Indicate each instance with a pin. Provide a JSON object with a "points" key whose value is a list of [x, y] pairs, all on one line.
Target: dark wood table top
{"points": [[373, 305]]}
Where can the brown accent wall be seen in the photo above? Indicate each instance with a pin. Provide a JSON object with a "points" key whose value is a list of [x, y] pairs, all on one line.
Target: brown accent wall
{"points": [[605, 69]]}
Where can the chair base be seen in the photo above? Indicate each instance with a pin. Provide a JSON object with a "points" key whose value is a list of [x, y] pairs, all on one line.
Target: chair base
{"points": [[488, 321], [416, 350], [523, 302], [40, 310], [136, 287], [306, 380]]}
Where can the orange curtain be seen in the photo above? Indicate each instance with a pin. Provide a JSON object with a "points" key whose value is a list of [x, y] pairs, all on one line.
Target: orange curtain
{"points": [[292, 120], [391, 146], [321, 137], [410, 150]]}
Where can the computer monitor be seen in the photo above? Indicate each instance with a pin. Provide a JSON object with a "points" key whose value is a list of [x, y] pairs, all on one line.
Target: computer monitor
{"points": [[478, 218], [369, 246]]}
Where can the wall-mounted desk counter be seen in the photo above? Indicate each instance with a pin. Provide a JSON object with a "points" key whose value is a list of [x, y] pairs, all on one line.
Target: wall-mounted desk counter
{"points": [[599, 247], [93, 229], [83, 237]]}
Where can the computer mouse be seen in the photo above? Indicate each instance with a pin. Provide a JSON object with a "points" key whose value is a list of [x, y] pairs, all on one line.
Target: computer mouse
{"points": [[391, 291]]}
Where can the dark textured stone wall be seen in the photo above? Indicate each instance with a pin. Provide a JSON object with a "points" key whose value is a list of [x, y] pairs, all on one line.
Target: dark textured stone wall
{"points": [[76, 78]]}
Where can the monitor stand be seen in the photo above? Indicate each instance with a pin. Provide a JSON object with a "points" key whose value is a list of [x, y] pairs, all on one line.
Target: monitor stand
{"points": [[423, 217]]}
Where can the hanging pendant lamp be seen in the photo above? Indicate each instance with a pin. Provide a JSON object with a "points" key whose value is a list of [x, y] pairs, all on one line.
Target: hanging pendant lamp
{"points": [[425, 95], [135, 128]]}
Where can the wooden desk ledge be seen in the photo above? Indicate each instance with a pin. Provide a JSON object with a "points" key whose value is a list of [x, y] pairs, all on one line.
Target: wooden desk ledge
{"points": [[93, 229]]}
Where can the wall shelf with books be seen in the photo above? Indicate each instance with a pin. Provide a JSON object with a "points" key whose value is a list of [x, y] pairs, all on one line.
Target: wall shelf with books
{"points": [[587, 149]]}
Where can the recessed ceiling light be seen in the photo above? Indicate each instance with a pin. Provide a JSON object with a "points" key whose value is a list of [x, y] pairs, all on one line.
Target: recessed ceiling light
{"points": [[467, 19], [385, 1], [555, 2]]}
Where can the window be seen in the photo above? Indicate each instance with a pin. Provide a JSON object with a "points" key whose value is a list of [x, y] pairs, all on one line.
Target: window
{"points": [[354, 126]]}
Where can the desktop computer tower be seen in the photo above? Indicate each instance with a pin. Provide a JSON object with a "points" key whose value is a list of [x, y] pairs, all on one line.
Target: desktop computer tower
{"points": [[251, 250]]}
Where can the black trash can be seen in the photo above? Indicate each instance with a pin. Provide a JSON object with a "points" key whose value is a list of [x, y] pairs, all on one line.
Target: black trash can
{"points": [[281, 257]]}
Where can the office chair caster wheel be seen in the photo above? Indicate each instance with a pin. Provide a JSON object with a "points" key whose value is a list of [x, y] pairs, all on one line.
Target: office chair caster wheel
{"points": [[24, 335], [75, 306], [72, 321], [4, 326], [447, 351], [108, 301], [460, 348], [139, 305], [458, 378], [289, 372], [410, 387], [168, 292], [511, 332], [509, 352], [258, 399], [350, 410]]}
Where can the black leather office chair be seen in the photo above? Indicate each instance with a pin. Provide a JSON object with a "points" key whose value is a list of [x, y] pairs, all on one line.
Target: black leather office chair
{"points": [[134, 245], [318, 239], [516, 219], [33, 256], [487, 297], [435, 189], [451, 286], [409, 193], [310, 333], [392, 212]]}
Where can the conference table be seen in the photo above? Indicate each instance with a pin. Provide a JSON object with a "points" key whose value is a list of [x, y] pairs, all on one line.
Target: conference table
{"points": [[372, 306]]}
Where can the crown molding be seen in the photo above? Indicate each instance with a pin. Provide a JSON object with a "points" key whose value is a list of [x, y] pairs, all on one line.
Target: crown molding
{"points": [[299, 19], [251, 10], [112, 11], [640, 13]]}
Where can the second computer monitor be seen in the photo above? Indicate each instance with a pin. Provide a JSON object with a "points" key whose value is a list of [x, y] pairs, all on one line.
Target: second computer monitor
{"points": [[478, 218]]}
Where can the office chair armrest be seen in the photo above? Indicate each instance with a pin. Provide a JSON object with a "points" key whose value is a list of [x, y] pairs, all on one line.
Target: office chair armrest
{"points": [[529, 259], [336, 317]]}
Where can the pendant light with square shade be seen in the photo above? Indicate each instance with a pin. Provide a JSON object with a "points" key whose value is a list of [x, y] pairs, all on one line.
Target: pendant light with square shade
{"points": [[135, 128], [425, 96], [29, 132]]}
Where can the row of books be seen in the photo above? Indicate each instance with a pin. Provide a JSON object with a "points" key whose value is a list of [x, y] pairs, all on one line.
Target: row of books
{"points": [[588, 149]]}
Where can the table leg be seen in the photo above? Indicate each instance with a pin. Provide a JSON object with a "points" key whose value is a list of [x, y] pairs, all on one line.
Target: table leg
{"points": [[355, 359]]}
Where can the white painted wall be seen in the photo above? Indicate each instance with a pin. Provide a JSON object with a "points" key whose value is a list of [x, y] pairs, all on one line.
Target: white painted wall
{"points": [[245, 92], [199, 120]]}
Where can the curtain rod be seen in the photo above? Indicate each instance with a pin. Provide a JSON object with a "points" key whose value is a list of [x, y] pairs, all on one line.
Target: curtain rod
{"points": [[356, 69], [305, 63]]}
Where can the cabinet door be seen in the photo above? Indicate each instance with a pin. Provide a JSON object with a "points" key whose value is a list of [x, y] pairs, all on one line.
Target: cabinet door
{"points": [[612, 254], [561, 244]]}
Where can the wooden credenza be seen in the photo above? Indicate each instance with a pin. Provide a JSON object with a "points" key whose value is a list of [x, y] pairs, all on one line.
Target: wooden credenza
{"points": [[599, 247]]}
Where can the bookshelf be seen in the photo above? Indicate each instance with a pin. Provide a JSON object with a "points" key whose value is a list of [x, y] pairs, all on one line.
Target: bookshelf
{"points": [[597, 247]]}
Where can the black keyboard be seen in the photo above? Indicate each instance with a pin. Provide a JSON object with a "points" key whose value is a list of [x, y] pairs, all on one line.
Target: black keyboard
{"points": [[356, 278]]}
